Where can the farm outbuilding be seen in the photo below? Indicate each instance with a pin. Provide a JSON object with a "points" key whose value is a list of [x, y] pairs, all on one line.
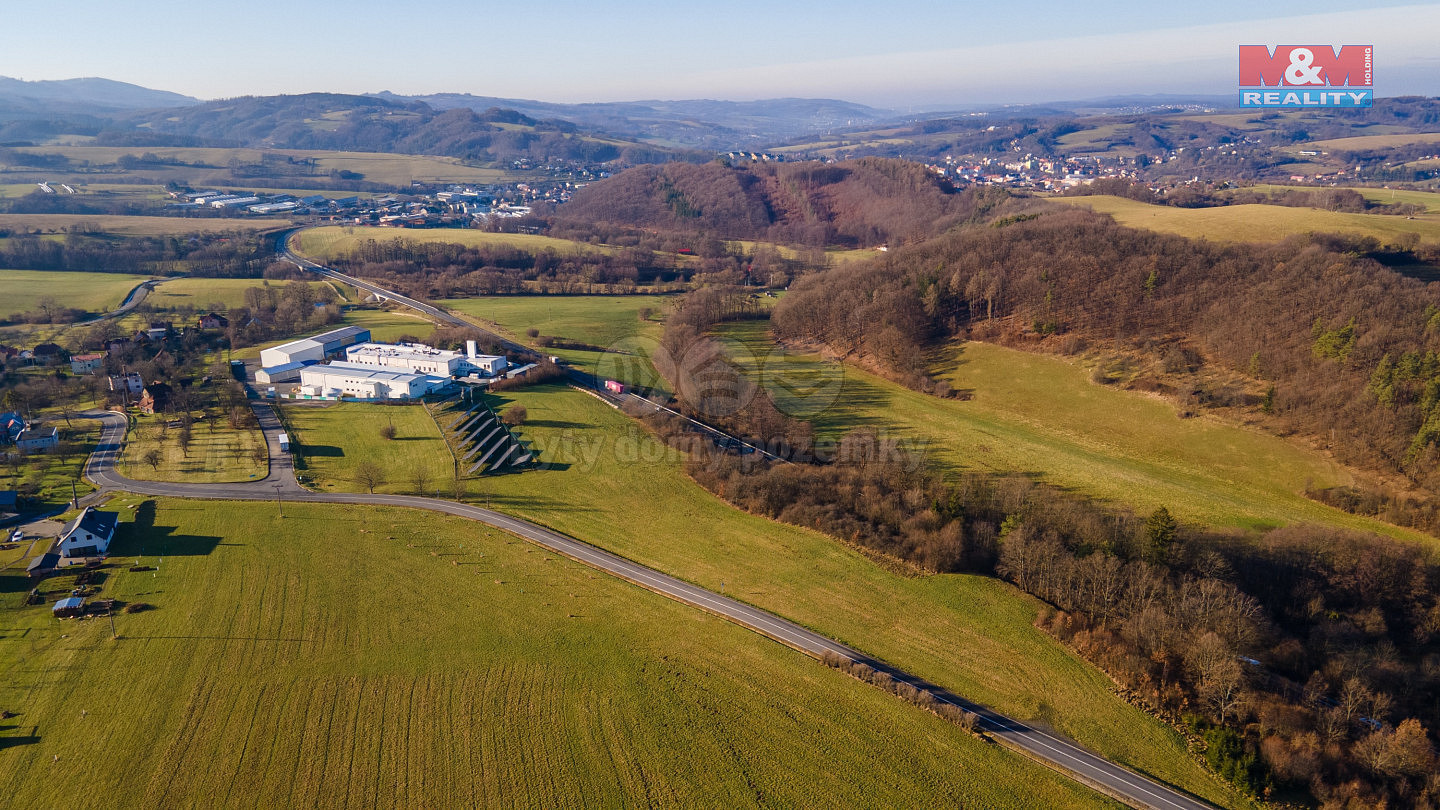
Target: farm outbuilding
{"points": [[69, 607]]}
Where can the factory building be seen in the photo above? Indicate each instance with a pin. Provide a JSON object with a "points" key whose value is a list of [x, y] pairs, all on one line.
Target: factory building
{"points": [[348, 380], [418, 358], [314, 349]]}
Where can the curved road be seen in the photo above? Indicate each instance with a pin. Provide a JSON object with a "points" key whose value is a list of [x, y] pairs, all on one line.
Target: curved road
{"points": [[579, 378], [280, 484]]}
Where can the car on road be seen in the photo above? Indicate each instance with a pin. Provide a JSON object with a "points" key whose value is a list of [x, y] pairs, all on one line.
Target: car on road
{"points": [[17, 535]]}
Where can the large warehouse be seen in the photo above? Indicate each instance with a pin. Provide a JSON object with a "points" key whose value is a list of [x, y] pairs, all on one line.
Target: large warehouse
{"points": [[337, 380], [314, 349], [418, 358]]}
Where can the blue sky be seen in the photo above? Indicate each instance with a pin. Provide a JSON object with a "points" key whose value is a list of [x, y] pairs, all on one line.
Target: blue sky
{"points": [[899, 54]]}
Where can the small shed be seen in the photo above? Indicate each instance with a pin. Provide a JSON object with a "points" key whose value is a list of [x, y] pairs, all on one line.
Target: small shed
{"points": [[284, 442], [42, 566], [69, 607]]}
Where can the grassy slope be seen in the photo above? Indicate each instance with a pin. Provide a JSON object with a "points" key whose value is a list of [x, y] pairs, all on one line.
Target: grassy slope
{"points": [[92, 292], [377, 168], [1363, 142], [331, 241], [607, 482], [337, 437], [137, 225], [1385, 196], [200, 293], [611, 321], [1253, 223], [1041, 415], [220, 456], [345, 656]]}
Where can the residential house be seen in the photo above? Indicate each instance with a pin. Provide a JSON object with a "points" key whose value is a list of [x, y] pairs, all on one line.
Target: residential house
{"points": [[118, 345], [213, 320], [89, 534], [34, 440], [87, 363], [155, 398], [131, 384]]}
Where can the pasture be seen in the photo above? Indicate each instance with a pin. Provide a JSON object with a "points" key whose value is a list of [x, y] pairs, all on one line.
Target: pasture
{"points": [[349, 656], [1254, 223], [605, 480], [212, 293], [609, 321], [390, 169], [92, 292], [1040, 415], [335, 241], [135, 225], [217, 453], [1362, 143], [335, 437]]}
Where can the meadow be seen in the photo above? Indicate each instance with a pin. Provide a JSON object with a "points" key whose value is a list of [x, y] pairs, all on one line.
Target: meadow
{"points": [[92, 292], [349, 656], [1041, 416], [1254, 223], [218, 454], [603, 479], [218, 293], [136, 225], [335, 437], [609, 321], [329, 242], [1363, 142], [390, 169]]}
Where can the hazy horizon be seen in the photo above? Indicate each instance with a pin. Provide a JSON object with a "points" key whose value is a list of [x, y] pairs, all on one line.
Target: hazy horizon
{"points": [[911, 57]]}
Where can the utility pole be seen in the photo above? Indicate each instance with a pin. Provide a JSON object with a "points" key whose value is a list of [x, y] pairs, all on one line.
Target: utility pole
{"points": [[110, 611], [278, 506]]}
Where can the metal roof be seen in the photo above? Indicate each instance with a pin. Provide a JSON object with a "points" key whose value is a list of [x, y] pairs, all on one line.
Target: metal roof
{"points": [[70, 602]]}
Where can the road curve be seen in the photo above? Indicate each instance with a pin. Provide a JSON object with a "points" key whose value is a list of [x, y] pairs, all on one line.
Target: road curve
{"points": [[280, 484]]}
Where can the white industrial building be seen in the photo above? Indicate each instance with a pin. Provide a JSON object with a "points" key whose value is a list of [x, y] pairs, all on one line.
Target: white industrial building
{"points": [[337, 380], [314, 349], [418, 358]]}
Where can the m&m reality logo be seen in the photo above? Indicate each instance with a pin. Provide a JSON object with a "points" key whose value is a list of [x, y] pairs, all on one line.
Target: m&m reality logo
{"points": [[1306, 76]]}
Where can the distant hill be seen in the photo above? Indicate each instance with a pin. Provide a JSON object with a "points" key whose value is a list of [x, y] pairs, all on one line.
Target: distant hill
{"points": [[374, 124], [861, 203], [85, 96], [698, 124]]}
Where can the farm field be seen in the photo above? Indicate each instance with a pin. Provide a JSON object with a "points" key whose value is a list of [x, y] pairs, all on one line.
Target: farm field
{"points": [[333, 241], [1363, 142], [604, 480], [1040, 415], [344, 656], [335, 437], [609, 321], [219, 455], [92, 292], [1253, 223], [391, 169], [1386, 196], [205, 293], [137, 225]]}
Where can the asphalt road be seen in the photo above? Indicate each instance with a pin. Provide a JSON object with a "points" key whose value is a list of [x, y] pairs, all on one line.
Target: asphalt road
{"points": [[576, 377], [280, 485]]}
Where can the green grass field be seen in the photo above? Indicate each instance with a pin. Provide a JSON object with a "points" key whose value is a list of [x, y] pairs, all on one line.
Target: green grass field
{"points": [[1429, 200], [204, 293], [599, 320], [137, 226], [336, 437], [1040, 415], [1253, 223], [222, 455], [55, 480], [92, 292], [391, 169], [1364, 142], [344, 656], [604, 480], [333, 241]]}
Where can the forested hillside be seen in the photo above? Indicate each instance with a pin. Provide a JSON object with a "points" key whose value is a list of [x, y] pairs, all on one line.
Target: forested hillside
{"points": [[860, 203]]}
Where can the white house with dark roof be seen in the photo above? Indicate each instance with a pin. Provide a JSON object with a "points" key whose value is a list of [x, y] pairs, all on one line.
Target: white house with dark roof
{"points": [[89, 534]]}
